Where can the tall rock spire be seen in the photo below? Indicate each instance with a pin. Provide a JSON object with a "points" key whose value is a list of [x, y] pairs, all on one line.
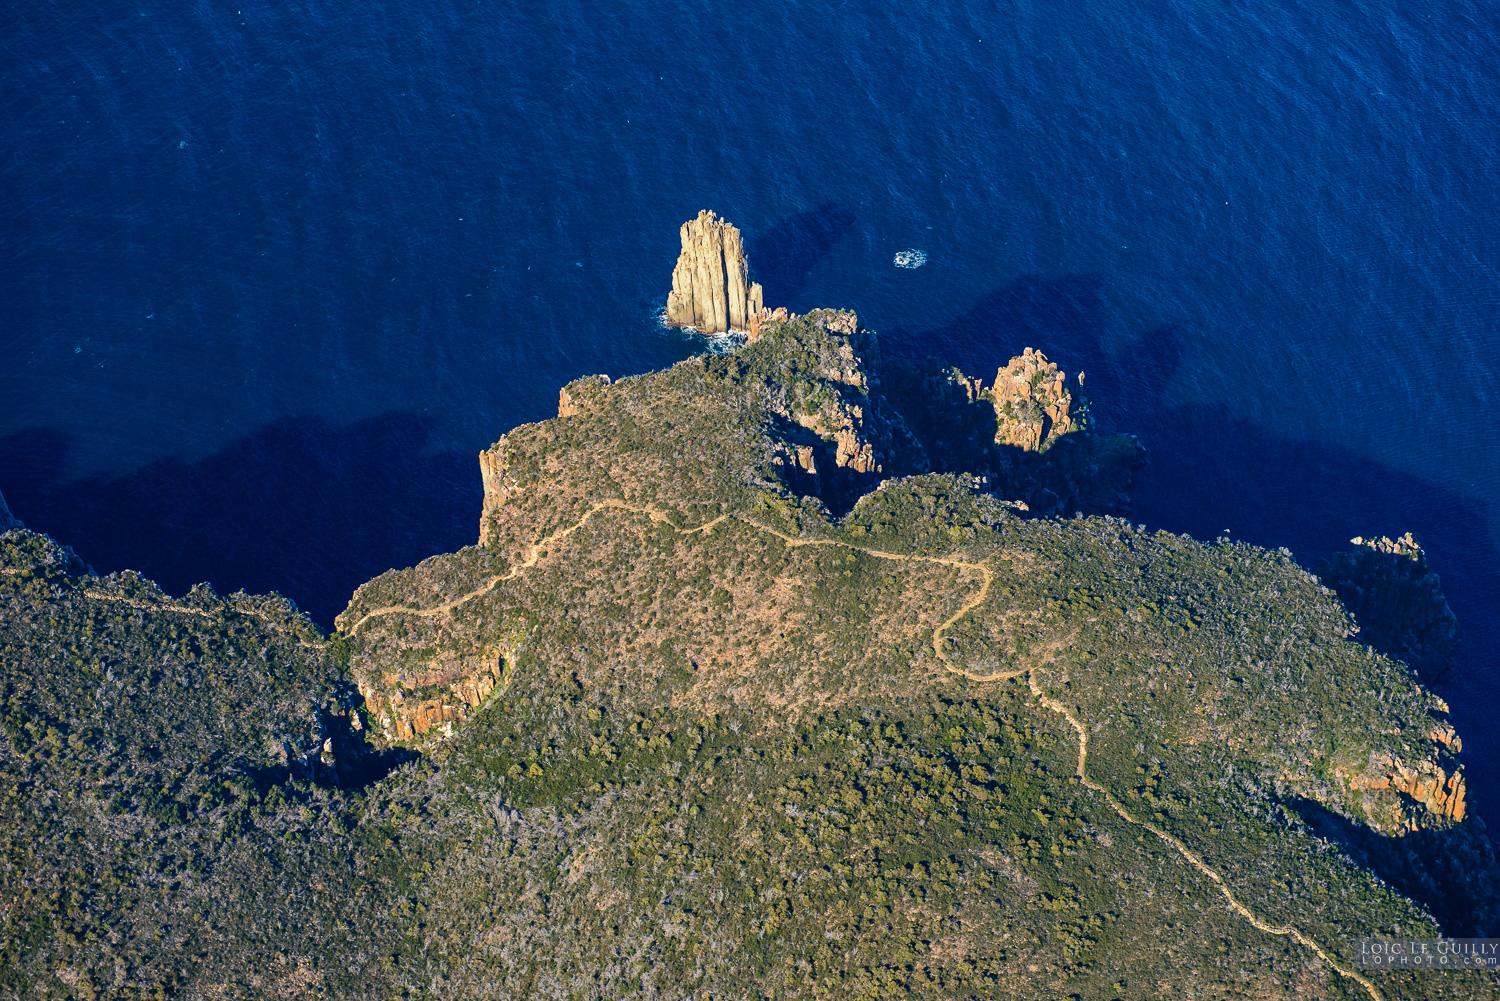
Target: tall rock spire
{"points": [[711, 287]]}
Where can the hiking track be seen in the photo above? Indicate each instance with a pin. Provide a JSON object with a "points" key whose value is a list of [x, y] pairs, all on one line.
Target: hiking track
{"points": [[938, 636]]}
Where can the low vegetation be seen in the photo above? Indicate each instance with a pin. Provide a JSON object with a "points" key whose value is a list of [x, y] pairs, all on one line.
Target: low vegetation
{"points": [[736, 745]]}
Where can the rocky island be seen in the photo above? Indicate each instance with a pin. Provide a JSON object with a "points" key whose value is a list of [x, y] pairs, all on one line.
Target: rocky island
{"points": [[785, 672]]}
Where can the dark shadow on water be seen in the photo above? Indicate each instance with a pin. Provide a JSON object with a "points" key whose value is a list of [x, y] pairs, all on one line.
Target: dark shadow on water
{"points": [[1209, 470], [301, 507], [1061, 316], [357, 762], [782, 260], [357, 765]]}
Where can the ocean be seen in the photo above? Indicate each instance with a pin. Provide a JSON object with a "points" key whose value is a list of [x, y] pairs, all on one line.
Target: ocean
{"points": [[274, 272]]}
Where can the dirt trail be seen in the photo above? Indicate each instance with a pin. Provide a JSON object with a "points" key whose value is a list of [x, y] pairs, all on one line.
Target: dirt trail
{"points": [[537, 548], [986, 578], [166, 606], [1186, 852], [938, 639], [986, 575]]}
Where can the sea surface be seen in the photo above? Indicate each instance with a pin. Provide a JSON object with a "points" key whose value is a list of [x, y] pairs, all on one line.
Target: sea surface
{"points": [[272, 273]]}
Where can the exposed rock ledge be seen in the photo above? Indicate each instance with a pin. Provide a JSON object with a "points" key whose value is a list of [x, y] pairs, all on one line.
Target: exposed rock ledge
{"points": [[407, 704], [1428, 785]]}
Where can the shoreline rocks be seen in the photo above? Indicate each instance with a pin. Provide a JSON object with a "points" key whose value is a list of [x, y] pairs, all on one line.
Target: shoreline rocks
{"points": [[1030, 433], [1035, 403]]}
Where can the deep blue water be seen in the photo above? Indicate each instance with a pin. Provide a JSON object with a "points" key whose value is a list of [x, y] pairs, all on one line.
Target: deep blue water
{"points": [[272, 273]]}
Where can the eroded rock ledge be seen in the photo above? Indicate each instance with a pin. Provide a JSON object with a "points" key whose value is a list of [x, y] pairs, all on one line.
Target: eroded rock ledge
{"points": [[408, 704]]}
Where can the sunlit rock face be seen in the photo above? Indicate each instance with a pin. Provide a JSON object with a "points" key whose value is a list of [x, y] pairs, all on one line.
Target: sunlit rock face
{"points": [[711, 287]]}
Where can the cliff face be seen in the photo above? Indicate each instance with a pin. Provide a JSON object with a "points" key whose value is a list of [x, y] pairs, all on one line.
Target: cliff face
{"points": [[7, 520], [711, 287], [408, 705], [823, 363], [1398, 602]]}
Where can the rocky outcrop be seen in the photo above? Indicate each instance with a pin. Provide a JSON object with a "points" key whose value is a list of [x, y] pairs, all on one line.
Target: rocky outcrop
{"points": [[797, 466], [1398, 602], [1029, 434], [1035, 403], [711, 287], [1418, 833], [572, 398], [1047, 452], [856, 439], [1425, 785], [499, 486], [500, 483], [410, 704], [1422, 787], [778, 315]]}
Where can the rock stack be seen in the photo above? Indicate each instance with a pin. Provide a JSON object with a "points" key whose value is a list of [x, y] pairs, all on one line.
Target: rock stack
{"points": [[711, 287], [8, 520], [1035, 403]]}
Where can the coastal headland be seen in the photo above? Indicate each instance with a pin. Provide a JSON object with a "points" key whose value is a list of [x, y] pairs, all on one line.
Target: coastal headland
{"points": [[788, 671]]}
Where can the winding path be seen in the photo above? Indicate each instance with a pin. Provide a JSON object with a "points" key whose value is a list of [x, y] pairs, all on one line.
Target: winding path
{"points": [[938, 641], [167, 605], [172, 606], [538, 548], [1186, 852]]}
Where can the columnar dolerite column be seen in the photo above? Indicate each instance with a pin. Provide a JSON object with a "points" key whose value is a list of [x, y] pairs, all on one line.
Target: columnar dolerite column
{"points": [[711, 287]]}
